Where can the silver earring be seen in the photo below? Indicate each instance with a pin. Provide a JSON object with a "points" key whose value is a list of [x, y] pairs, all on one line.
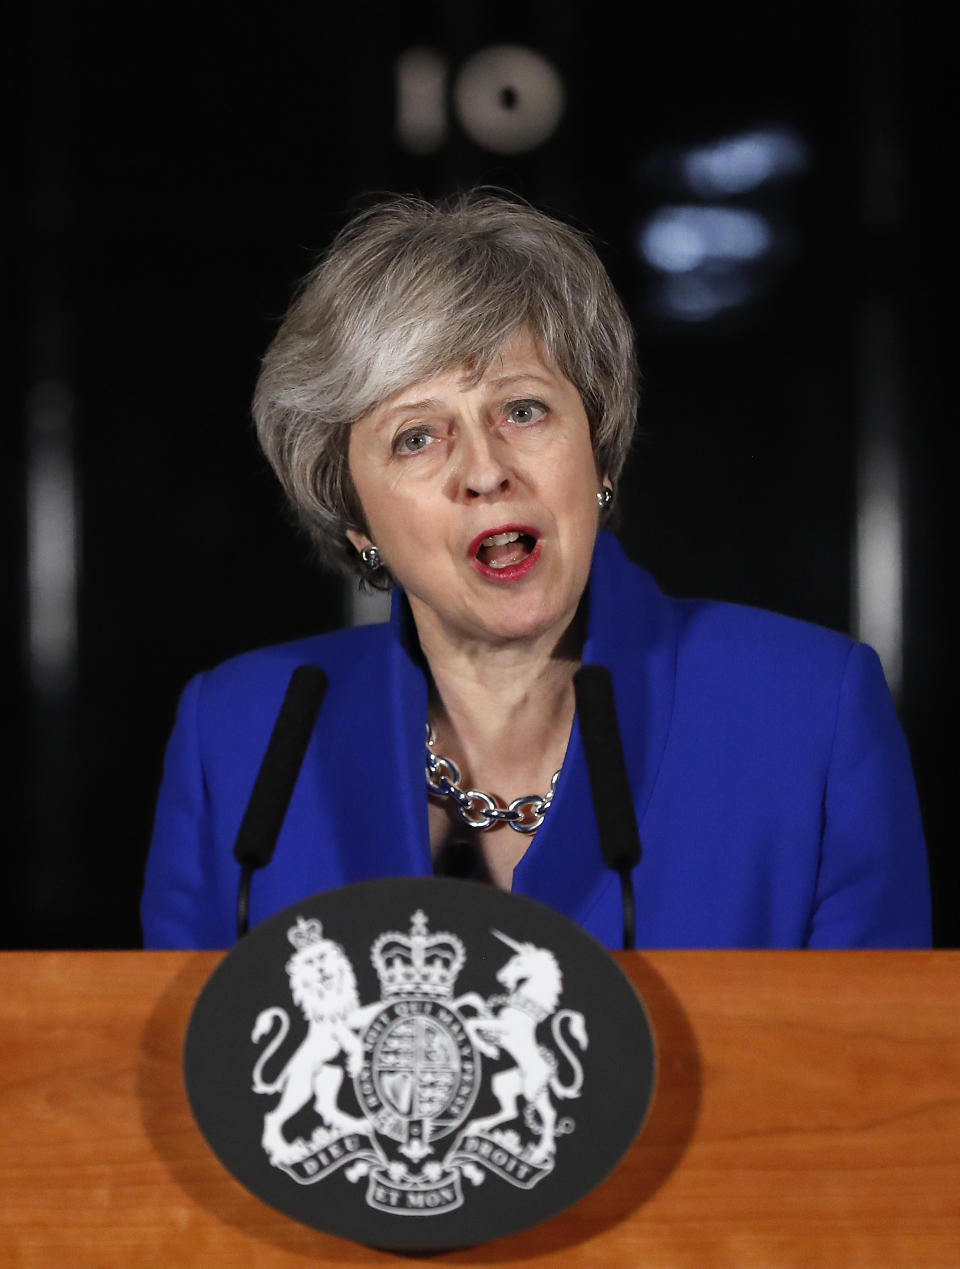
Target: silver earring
{"points": [[371, 557], [604, 497]]}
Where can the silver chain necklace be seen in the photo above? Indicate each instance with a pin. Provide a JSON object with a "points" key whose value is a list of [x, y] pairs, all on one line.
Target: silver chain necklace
{"points": [[478, 809]]}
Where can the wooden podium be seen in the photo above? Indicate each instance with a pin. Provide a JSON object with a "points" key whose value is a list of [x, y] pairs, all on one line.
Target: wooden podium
{"points": [[807, 1112]]}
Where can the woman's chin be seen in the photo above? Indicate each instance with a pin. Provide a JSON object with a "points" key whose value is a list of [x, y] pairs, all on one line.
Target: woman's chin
{"points": [[481, 612], [520, 622]]}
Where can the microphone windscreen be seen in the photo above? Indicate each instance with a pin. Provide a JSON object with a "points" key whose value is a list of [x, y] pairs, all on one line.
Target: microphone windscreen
{"points": [[281, 764], [609, 782], [459, 858]]}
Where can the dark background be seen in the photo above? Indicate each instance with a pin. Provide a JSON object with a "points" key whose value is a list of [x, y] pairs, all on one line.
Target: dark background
{"points": [[173, 173]]}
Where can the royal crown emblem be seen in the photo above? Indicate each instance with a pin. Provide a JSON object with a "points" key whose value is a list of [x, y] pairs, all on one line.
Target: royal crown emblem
{"points": [[418, 963], [397, 1087], [305, 933]]}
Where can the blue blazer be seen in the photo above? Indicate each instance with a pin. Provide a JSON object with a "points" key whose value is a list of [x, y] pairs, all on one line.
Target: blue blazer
{"points": [[771, 782]]}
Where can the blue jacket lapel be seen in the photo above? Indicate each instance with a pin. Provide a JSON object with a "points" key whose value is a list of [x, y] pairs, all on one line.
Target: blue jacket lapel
{"points": [[366, 810]]}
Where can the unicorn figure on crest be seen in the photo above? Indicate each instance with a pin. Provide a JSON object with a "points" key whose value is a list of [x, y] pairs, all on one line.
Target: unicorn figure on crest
{"points": [[533, 982]]}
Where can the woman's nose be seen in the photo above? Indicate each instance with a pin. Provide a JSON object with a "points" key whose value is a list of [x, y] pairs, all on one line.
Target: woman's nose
{"points": [[483, 471]]}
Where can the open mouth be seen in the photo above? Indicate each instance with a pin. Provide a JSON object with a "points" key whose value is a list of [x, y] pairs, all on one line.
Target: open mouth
{"points": [[503, 550], [506, 554]]}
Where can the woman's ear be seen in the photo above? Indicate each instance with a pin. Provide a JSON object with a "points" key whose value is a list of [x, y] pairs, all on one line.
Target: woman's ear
{"points": [[358, 540]]}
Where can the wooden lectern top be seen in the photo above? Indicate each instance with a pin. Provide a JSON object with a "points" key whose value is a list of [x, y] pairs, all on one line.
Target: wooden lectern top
{"points": [[807, 1113]]}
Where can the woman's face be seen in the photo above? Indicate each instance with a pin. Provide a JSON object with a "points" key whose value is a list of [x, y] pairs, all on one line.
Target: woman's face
{"points": [[482, 499]]}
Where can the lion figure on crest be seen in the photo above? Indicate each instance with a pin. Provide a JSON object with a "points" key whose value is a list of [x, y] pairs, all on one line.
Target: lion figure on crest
{"points": [[322, 983]]}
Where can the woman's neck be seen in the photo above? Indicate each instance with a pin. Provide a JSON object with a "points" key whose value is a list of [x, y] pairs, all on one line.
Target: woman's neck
{"points": [[504, 711]]}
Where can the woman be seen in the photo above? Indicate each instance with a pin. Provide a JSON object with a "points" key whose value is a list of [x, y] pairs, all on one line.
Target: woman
{"points": [[448, 405]]}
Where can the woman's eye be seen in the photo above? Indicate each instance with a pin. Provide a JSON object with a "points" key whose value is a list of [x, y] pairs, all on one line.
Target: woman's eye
{"points": [[412, 442], [525, 411]]}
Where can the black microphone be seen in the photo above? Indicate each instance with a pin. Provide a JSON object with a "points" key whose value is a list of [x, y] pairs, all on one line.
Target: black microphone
{"points": [[609, 783], [461, 859], [276, 779]]}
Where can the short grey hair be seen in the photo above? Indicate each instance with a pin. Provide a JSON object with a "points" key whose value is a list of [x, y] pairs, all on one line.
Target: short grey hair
{"points": [[409, 289]]}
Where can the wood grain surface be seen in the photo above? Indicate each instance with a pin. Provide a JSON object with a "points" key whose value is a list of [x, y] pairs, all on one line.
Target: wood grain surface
{"points": [[807, 1112]]}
